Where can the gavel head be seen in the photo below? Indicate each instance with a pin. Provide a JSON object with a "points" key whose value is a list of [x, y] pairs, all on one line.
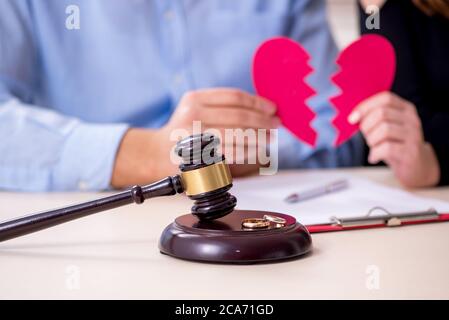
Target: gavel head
{"points": [[205, 176]]}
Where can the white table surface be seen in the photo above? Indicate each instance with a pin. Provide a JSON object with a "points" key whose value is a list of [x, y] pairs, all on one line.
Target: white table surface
{"points": [[114, 255]]}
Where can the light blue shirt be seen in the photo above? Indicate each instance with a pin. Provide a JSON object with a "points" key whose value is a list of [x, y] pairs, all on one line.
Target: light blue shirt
{"points": [[67, 96]]}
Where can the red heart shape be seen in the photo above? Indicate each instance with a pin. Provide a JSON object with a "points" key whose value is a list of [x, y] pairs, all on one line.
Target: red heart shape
{"points": [[281, 65], [279, 69], [367, 67]]}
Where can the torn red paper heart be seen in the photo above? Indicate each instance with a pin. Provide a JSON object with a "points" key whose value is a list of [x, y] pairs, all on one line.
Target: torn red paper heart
{"points": [[279, 70], [281, 65], [367, 67]]}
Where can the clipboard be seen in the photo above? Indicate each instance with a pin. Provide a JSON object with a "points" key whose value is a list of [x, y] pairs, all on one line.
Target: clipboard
{"points": [[387, 219]]}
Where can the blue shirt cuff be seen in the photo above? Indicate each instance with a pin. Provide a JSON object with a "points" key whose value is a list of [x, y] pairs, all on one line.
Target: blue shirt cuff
{"points": [[88, 157]]}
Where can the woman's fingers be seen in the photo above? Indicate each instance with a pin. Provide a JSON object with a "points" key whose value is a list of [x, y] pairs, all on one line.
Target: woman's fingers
{"points": [[387, 117], [389, 152], [381, 115], [386, 132], [392, 129], [381, 100]]}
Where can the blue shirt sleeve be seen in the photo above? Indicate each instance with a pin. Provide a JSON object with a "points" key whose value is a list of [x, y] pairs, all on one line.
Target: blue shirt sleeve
{"points": [[41, 150], [56, 152]]}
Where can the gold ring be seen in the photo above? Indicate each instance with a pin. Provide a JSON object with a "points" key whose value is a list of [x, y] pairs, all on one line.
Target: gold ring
{"points": [[275, 220], [255, 223]]}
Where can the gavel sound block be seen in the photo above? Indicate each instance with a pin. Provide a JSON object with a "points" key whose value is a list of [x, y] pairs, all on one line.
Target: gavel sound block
{"points": [[211, 233], [214, 232], [225, 241]]}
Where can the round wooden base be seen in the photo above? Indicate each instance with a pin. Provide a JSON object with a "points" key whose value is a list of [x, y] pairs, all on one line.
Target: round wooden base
{"points": [[225, 241]]}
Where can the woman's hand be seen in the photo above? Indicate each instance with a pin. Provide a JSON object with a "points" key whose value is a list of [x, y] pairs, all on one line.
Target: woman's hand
{"points": [[393, 131], [144, 154]]}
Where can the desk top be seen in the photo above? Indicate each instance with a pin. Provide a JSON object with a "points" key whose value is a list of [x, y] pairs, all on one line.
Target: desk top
{"points": [[115, 255]]}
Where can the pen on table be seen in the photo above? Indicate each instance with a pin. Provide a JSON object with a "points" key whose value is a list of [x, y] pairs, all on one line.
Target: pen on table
{"points": [[317, 192]]}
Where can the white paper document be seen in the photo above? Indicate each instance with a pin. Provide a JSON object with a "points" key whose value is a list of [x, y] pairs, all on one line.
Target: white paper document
{"points": [[268, 193]]}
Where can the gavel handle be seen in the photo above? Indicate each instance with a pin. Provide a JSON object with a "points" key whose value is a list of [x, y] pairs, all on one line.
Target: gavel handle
{"points": [[35, 222]]}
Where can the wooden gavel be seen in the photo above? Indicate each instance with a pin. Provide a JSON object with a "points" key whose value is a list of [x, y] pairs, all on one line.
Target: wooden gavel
{"points": [[204, 177]]}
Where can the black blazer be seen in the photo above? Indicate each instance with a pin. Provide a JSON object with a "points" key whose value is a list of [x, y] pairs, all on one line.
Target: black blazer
{"points": [[422, 49]]}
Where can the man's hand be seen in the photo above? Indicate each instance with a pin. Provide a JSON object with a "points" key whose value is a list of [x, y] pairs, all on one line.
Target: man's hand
{"points": [[225, 108], [393, 131], [144, 155]]}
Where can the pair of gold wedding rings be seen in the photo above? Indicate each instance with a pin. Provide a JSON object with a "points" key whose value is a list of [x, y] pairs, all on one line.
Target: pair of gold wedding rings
{"points": [[262, 223]]}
